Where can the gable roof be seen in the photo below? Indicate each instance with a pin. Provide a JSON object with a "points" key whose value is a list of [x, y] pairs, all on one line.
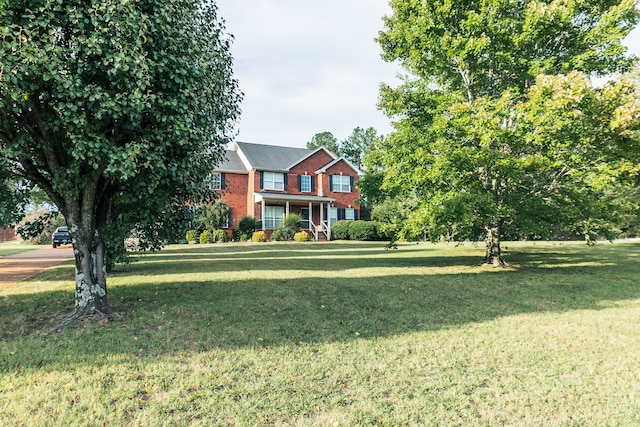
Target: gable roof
{"points": [[338, 160], [271, 157], [232, 163]]}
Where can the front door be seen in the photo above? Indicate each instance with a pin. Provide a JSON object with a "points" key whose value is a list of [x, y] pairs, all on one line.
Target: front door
{"points": [[305, 218]]}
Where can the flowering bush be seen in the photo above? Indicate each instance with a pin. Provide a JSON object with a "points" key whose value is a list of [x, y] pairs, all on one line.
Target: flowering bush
{"points": [[259, 236], [206, 237], [301, 236]]}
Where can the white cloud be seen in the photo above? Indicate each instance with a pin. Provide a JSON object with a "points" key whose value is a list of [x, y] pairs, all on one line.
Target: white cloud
{"points": [[307, 67]]}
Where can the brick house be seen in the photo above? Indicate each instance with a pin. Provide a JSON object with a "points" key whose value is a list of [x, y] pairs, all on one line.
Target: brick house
{"points": [[269, 182]]}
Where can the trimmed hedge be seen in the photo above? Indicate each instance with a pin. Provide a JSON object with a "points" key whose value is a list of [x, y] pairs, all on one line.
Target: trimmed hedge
{"points": [[206, 237], [220, 236], [340, 230], [364, 230]]}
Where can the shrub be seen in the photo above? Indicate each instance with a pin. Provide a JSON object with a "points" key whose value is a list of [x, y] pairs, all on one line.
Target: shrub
{"points": [[293, 222], [282, 233], [340, 230], [191, 236], [301, 236], [220, 236], [206, 237], [259, 236], [363, 230], [247, 225]]}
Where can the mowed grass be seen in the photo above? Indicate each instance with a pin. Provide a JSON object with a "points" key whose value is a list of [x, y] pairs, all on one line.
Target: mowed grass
{"points": [[333, 334], [10, 248]]}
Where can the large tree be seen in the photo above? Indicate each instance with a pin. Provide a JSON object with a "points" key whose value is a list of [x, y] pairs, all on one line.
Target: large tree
{"points": [[469, 137], [326, 140], [117, 110]]}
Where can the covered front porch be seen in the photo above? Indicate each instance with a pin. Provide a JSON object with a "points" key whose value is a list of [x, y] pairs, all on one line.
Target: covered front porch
{"points": [[273, 208]]}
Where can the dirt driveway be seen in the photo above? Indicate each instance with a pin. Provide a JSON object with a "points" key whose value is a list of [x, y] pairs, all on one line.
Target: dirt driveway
{"points": [[15, 268]]}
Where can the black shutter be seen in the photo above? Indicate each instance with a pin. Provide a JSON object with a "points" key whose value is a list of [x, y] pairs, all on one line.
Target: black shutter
{"points": [[230, 219], [330, 182], [223, 183], [311, 179], [286, 181], [261, 180], [351, 182], [299, 182], [355, 214], [341, 213]]}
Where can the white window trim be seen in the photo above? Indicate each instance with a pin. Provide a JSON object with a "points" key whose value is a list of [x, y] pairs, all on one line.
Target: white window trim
{"points": [[269, 181], [273, 216], [339, 185], [350, 214], [305, 182], [215, 181]]}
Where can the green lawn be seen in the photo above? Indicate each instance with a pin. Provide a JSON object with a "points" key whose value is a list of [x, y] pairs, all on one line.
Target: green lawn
{"points": [[333, 334], [11, 248]]}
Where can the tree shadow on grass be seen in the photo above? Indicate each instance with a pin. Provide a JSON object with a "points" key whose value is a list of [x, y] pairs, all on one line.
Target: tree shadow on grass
{"points": [[166, 319]]}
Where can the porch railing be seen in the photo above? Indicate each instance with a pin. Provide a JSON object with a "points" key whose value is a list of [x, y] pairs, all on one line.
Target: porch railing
{"points": [[326, 229], [314, 230]]}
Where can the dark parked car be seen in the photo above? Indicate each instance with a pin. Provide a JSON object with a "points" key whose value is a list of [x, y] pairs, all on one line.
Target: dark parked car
{"points": [[60, 237]]}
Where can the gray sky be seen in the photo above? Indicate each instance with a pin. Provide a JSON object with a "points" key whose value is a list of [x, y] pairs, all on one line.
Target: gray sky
{"points": [[311, 66]]}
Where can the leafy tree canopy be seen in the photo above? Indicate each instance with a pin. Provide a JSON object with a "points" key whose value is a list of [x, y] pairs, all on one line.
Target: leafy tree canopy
{"points": [[117, 110], [500, 128]]}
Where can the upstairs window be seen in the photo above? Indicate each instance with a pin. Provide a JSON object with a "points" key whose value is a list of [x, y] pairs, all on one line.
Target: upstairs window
{"points": [[304, 181], [341, 183], [215, 181], [273, 181]]}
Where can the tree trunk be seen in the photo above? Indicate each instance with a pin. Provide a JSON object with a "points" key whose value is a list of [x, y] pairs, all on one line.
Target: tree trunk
{"points": [[493, 255], [91, 277]]}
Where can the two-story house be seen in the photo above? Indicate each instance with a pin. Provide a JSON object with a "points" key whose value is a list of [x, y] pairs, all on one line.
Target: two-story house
{"points": [[269, 182]]}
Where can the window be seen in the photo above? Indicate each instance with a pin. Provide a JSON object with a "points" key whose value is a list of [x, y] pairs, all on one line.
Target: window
{"points": [[340, 183], [272, 181], [273, 216], [215, 181], [305, 183], [350, 214], [333, 216]]}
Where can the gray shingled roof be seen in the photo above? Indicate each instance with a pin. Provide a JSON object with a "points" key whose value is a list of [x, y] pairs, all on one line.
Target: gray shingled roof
{"points": [[232, 163], [272, 157]]}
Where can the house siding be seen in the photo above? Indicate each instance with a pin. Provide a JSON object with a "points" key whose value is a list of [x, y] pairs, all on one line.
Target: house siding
{"points": [[343, 200], [234, 195], [241, 186]]}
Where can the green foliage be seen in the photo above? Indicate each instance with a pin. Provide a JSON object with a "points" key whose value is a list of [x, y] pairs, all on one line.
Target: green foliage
{"points": [[212, 216], [206, 237], [497, 136], [364, 230], [13, 197], [292, 222], [326, 140], [220, 236], [37, 227], [247, 225], [355, 147], [191, 236], [340, 230], [282, 234], [302, 236], [259, 236], [117, 110]]}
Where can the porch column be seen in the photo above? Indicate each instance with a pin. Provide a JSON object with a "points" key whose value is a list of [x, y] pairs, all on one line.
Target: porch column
{"points": [[310, 215], [287, 209], [262, 215], [321, 214]]}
